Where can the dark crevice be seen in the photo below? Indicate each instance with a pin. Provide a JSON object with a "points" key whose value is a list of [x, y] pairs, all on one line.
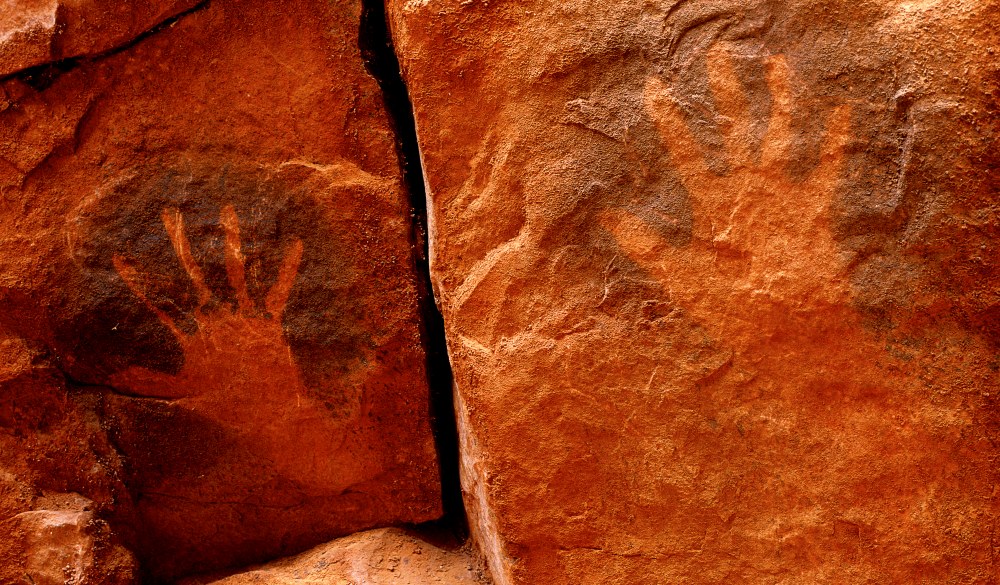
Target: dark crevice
{"points": [[41, 77], [379, 55]]}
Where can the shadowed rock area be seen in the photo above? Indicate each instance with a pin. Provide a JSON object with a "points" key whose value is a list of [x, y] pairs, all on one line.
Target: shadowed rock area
{"points": [[207, 250], [720, 284]]}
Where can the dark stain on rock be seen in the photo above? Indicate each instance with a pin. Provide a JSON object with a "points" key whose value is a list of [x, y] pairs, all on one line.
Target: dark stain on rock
{"points": [[104, 327]]}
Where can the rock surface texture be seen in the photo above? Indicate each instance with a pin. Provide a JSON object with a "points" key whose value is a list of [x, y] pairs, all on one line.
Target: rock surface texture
{"points": [[208, 289], [60, 480], [720, 281], [37, 32], [388, 556]]}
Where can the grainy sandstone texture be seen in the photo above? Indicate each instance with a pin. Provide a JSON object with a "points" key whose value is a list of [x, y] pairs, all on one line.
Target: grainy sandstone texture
{"points": [[207, 262], [388, 556], [60, 480], [720, 281], [36, 32]]}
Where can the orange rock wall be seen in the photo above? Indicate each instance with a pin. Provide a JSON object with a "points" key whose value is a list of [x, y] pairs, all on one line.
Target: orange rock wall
{"points": [[720, 284], [205, 231]]}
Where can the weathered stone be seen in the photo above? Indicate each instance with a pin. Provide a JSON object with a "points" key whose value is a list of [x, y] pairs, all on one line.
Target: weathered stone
{"points": [[209, 233], [59, 481], [720, 283], [60, 550], [388, 556], [36, 32], [62, 546]]}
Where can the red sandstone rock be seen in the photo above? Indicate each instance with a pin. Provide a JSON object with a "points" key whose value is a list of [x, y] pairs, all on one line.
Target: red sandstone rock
{"points": [[60, 480], [58, 544], [208, 233], [379, 557], [36, 32], [720, 282]]}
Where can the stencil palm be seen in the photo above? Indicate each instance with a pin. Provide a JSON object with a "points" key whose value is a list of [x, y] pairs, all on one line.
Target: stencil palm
{"points": [[758, 233], [238, 366]]}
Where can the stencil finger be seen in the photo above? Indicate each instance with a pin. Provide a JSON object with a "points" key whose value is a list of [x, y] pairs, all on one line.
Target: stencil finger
{"points": [[173, 221], [277, 297], [731, 103], [235, 261], [777, 143], [682, 148]]}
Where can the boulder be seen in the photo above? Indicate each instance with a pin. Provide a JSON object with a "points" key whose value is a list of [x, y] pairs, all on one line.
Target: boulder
{"points": [[60, 550], [207, 231], [388, 556], [65, 546], [720, 283]]}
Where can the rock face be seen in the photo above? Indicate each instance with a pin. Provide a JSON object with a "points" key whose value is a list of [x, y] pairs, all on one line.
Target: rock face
{"points": [[720, 282], [206, 235], [60, 480], [36, 32], [389, 556]]}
